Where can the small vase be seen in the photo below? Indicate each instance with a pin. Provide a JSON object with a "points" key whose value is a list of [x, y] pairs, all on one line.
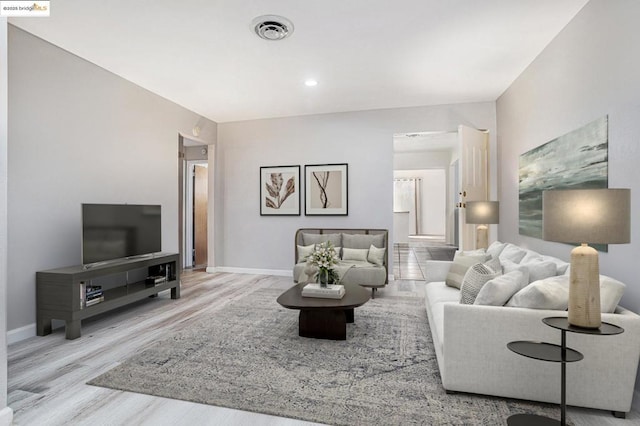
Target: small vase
{"points": [[323, 277]]}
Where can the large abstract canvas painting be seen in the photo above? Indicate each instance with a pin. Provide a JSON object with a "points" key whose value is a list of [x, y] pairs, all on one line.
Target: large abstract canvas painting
{"points": [[577, 160]]}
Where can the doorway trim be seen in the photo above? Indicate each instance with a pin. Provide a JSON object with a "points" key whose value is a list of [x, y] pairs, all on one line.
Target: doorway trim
{"points": [[193, 141], [188, 211]]}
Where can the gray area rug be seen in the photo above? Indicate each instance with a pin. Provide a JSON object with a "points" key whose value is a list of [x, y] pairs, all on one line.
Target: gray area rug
{"points": [[248, 356]]}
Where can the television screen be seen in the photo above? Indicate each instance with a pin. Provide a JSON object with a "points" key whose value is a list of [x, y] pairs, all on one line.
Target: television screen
{"points": [[115, 231]]}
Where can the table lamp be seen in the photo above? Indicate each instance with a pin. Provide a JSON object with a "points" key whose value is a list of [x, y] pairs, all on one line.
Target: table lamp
{"points": [[482, 213], [597, 216]]}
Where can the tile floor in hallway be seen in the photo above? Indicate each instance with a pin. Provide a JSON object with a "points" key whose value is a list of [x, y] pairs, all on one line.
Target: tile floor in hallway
{"points": [[409, 258]]}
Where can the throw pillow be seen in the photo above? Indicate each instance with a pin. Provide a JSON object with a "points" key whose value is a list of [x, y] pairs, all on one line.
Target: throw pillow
{"points": [[335, 239], [513, 253], [561, 265], [496, 248], [540, 270], [376, 255], [362, 241], [354, 254], [494, 265], [509, 266], [549, 293], [531, 256], [475, 278], [497, 291], [304, 252], [459, 267], [611, 291]]}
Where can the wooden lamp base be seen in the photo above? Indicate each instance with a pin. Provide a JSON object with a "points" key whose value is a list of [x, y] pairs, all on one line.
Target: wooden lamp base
{"points": [[482, 237], [584, 288]]}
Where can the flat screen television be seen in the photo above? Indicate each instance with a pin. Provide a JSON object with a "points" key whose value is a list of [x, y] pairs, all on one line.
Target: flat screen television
{"points": [[117, 231]]}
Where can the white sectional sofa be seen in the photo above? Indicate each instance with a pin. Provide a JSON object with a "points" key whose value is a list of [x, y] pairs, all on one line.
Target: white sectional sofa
{"points": [[360, 272], [471, 349]]}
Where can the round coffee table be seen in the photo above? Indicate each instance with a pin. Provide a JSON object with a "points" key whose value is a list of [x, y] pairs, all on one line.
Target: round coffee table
{"points": [[324, 318]]}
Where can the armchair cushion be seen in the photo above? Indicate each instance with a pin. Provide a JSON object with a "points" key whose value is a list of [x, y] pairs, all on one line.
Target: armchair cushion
{"points": [[362, 241]]}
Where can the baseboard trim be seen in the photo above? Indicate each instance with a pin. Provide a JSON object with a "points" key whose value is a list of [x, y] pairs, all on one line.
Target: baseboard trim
{"points": [[252, 271], [19, 334], [6, 416]]}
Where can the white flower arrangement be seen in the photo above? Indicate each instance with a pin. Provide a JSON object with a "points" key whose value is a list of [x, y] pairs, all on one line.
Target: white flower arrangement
{"points": [[323, 259]]}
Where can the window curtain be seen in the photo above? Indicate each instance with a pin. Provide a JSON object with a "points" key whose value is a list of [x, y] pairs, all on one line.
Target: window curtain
{"points": [[407, 199]]}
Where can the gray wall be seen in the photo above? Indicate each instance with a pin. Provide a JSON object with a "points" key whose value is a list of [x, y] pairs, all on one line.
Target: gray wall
{"points": [[364, 140], [79, 134], [5, 413], [590, 70]]}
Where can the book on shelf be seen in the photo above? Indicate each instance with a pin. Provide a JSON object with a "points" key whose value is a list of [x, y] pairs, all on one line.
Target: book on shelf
{"points": [[331, 291], [90, 294], [83, 291], [94, 301], [155, 280], [94, 296]]}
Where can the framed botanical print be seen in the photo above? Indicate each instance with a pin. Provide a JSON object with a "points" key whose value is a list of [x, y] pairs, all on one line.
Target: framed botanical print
{"points": [[326, 189], [280, 191]]}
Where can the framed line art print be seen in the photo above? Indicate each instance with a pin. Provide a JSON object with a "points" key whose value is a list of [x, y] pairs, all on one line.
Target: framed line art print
{"points": [[280, 191], [326, 189]]}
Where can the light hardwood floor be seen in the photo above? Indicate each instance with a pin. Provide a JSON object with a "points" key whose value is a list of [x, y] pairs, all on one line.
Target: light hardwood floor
{"points": [[48, 375]]}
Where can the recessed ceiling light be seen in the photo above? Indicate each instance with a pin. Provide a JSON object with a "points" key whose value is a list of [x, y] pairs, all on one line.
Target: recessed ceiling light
{"points": [[311, 82]]}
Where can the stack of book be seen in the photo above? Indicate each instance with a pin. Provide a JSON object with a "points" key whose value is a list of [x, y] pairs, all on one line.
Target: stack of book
{"points": [[93, 295], [329, 292], [155, 280]]}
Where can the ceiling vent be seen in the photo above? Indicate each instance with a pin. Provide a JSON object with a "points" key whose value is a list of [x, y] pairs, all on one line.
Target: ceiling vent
{"points": [[272, 27]]}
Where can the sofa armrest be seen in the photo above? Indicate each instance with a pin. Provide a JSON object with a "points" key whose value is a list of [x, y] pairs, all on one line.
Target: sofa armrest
{"points": [[477, 360], [436, 270]]}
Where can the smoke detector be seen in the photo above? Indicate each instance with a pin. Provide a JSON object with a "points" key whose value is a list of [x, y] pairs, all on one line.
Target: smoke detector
{"points": [[272, 27]]}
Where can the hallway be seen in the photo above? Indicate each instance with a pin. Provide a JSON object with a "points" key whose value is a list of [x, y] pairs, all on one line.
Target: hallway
{"points": [[409, 258]]}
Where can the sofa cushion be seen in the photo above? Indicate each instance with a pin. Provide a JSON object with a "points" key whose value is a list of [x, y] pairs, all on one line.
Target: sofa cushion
{"points": [[549, 293], [513, 253], [304, 252], [475, 278], [497, 291], [496, 248], [540, 270], [509, 266], [376, 255], [359, 272], [439, 292], [611, 291], [531, 256], [459, 267], [362, 241], [335, 239], [561, 265], [354, 254]]}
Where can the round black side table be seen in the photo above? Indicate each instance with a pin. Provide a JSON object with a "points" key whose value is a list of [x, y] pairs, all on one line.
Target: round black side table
{"points": [[554, 353]]}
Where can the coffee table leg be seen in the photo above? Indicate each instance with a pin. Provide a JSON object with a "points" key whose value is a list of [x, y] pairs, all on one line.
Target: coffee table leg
{"points": [[349, 315], [323, 324]]}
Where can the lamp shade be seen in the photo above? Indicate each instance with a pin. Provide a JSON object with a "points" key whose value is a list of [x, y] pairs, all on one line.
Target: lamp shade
{"points": [[596, 216], [483, 212]]}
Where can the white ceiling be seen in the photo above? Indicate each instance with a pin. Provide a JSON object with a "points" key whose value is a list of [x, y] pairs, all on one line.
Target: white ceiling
{"points": [[365, 54], [425, 142]]}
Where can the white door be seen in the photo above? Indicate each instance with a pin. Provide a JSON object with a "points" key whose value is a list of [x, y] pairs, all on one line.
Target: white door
{"points": [[474, 177]]}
